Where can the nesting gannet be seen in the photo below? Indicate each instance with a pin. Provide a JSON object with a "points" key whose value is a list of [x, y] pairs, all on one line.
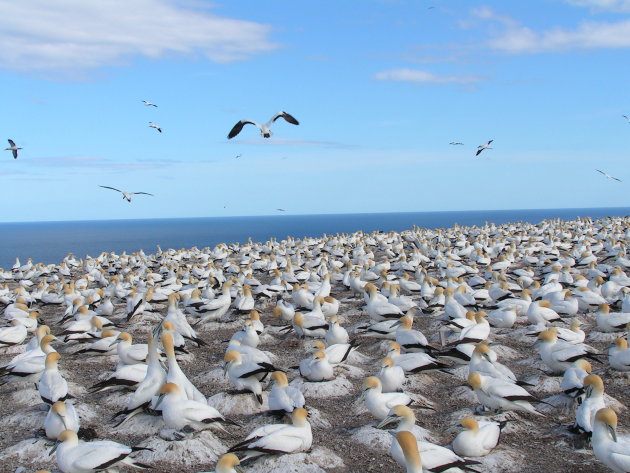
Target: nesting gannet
{"points": [[126, 195], [336, 353], [497, 394], [336, 334], [61, 416], [265, 132], [277, 439], [572, 383], [309, 326], [284, 398], [157, 127], [126, 376], [413, 362], [481, 362], [607, 322], [378, 402], [52, 386], [29, 365], [149, 104], [436, 458], [15, 334], [13, 148], [558, 355], [593, 402], [608, 176], [317, 368], [246, 375], [480, 148], [609, 448], [619, 355], [478, 439], [392, 377], [129, 353], [411, 340], [90, 457], [179, 412]]}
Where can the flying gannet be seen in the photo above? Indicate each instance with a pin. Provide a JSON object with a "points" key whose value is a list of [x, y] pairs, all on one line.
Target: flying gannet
{"points": [[126, 195], [264, 129]]}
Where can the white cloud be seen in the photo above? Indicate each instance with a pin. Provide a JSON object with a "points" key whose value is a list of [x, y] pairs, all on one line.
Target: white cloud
{"points": [[620, 6], [423, 77], [518, 39], [64, 35]]}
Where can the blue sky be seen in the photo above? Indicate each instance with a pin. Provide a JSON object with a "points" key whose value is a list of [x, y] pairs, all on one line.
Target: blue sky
{"points": [[380, 89]]}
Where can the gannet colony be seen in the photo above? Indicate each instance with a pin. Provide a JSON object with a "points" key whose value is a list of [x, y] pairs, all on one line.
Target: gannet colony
{"points": [[484, 348]]}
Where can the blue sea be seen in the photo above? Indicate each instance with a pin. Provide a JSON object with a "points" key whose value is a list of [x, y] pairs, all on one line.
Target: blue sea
{"points": [[49, 242]]}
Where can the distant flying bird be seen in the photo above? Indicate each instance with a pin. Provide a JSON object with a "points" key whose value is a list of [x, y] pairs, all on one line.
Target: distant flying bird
{"points": [[153, 125], [264, 129], [13, 148], [126, 195], [626, 117], [608, 175], [281, 210], [149, 104], [456, 143], [238, 156], [482, 147]]}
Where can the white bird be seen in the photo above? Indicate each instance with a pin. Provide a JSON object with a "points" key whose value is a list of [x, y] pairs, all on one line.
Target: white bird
{"points": [[284, 398], [90, 457], [378, 402], [246, 374], [480, 148], [608, 176], [179, 412], [61, 416], [456, 143], [593, 402], [149, 104], [13, 148], [619, 355], [317, 368], [478, 439], [13, 335], [409, 446], [278, 438], [52, 386], [265, 132], [497, 394], [610, 449], [392, 377], [228, 463], [153, 125], [126, 195]]}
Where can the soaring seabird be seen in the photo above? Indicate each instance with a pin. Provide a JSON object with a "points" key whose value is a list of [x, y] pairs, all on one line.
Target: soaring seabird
{"points": [[13, 148], [264, 129], [126, 195], [482, 147]]}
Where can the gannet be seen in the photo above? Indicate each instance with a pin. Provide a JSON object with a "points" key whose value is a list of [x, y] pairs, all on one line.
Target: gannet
{"points": [[480, 148], [317, 368], [13, 148], [478, 439], [413, 362], [378, 402], [15, 334], [411, 340], [336, 334], [607, 322], [130, 354], [392, 377], [593, 402], [148, 388], [61, 416], [481, 362], [436, 458], [126, 376], [153, 125], [608, 176], [52, 386], [278, 439], [572, 383], [246, 375], [175, 374], [29, 365], [265, 132], [126, 195], [228, 463], [309, 327], [90, 457], [336, 353], [179, 412], [284, 398], [497, 394], [558, 355], [609, 448], [619, 355], [456, 143], [149, 104]]}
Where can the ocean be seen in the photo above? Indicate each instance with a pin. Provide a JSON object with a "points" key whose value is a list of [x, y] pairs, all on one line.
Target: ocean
{"points": [[49, 242]]}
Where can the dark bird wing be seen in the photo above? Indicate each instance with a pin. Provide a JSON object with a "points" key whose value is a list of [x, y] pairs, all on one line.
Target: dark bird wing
{"points": [[602, 172], [616, 179], [488, 143], [286, 116], [479, 151], [112, 188], [145, 193], [12, 143], [14, 153], [236, 129]]}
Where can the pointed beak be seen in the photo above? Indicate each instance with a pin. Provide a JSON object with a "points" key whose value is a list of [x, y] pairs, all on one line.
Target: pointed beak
{"points": [[386, 421], [115, 342], [225, 369], [613, 432], [362, 396], [238, 469], [63, 419], [52, 450], [159, 401]]}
